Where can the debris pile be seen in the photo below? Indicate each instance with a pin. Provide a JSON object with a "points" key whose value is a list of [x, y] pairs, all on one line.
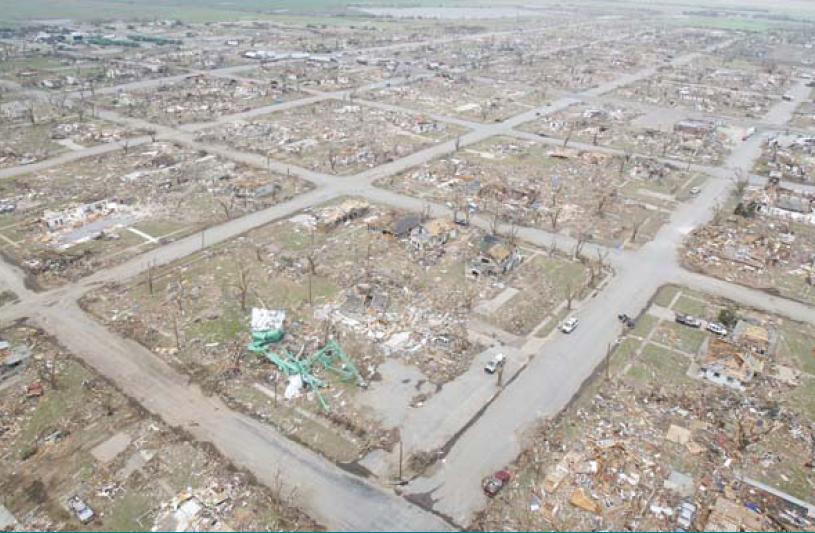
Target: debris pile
{"points": [[197, 98], [648, 459], [70, 220], [335, 137], [767, 243]]}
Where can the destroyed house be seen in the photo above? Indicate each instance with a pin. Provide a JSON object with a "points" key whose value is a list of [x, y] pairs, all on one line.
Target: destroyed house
{"points": [[794, 202], [727, 364], [57, 219], [395, 225], [496, 257], [756, 339], [727, 515], [698, 128], [432, 233], [246, 187], [334, 215], [426, 126]]}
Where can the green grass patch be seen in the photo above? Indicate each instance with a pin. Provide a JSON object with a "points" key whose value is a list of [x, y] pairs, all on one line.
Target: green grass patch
{"points": [[125, 512], [666, 295], [623, 354], [660, 366], [679, 337], [644, 325], [798, 346], [803, 397], [68, 396], [690, 306]]}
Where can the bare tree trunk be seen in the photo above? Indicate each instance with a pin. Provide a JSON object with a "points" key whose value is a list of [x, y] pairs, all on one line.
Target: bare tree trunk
{"points": [[175, 330], [569, 293], [243, 286]]}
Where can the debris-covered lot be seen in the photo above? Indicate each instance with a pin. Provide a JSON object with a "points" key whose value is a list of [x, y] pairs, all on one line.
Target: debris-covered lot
{"points": [[326, 74], [76, 454], [683, 429], [61, 73], [34, 133], [198, 98], [337, 137], [714, 84], [763, 238], [804, 116], [380, 284], [640, 129], [65, 222], [788, 158], [463, 96], [591, 195]]}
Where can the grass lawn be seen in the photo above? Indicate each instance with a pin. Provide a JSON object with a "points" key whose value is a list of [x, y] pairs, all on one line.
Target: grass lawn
{"points": [[644, 325], [666, 295], [51, 408], [657, 364], [679, 337], [124, 514], [690, 306], [798, 346]]}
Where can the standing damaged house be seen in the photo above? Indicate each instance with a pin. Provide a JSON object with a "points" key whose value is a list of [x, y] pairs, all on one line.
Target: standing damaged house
{"points": [[727, 364], [496, 257], [782, 203], [736, 362], [433, 234], [789, 158]]}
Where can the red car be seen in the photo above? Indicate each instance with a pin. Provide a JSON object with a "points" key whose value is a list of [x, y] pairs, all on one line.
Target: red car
{"points": [[493, 484]]}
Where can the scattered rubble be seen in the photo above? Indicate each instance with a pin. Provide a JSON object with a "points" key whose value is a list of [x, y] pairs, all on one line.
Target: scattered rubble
{"points": [[656, 450], [198, 98], [336, 137], [766, 241], [590, 194], [79, 455], [65, 222]]}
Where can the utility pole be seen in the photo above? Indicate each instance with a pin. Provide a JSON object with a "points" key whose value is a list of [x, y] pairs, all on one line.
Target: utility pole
{"points": [[608, 362], [175, 329], [400, 459], [310, 300]]}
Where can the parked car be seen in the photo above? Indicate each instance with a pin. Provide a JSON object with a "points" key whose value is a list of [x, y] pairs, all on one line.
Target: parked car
{"points": [[689, 320], [569, 325], [81, 509], [627, 320], [493, 484], [694, 191], [495, 363], [718, 329]]}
